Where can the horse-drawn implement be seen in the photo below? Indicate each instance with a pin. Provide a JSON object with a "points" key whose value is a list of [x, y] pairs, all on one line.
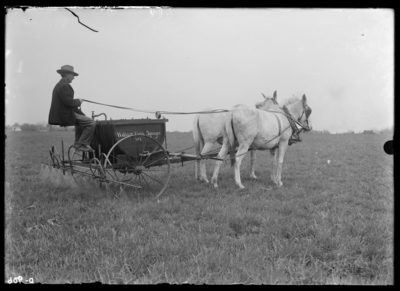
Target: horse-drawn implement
{"points": [[128, 154], [133, 154]]}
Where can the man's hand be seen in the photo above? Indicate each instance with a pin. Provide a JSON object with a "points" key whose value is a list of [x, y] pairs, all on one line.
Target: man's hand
{"points": [[80, 99]]}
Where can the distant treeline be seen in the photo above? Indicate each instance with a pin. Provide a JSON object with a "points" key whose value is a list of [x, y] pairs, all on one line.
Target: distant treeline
{"points": [[37, 127], [369, 131], [47, 127]]}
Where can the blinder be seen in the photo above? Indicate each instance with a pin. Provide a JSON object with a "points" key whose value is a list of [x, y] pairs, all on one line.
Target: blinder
{"points": [[308, 111]]}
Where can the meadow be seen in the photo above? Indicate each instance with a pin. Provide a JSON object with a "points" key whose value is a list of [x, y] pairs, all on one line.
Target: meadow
{"points": [[330, 223]]}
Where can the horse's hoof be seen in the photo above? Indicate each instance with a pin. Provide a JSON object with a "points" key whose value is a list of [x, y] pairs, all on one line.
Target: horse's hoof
{"points": [[253, 176]]}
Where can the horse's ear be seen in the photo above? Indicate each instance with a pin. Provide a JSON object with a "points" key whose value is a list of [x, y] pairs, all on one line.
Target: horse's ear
{"points": [[264, 95], [304, 99], [275, 95]]}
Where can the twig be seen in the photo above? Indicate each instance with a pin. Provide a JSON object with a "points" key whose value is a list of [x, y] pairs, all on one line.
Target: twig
{"points": [[80, 21]]}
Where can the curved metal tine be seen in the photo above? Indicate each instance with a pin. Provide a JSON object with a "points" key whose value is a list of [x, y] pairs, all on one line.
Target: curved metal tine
{"points": [[108, 161], [52, 157], [114, 174], [56, 160], [97, 171], [57, 156], [55, 151]]}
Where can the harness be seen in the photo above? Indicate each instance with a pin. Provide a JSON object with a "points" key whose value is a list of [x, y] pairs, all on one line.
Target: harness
{"points": [[292, 123], [295, 131]]}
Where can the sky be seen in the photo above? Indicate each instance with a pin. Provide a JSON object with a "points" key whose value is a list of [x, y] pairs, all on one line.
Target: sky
{"points": [[189, 59]]}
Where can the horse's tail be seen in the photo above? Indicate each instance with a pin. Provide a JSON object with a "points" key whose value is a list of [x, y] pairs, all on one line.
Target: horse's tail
{"points": [[197, 136], [230, 133]]}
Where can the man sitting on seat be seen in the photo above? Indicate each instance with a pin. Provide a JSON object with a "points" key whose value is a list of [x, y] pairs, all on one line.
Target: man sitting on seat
{"points": [[65, 110]]}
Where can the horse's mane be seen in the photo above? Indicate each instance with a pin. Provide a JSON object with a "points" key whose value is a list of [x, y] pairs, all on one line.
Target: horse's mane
{"points": [[288, 101], [291, 100], [260, 104]]}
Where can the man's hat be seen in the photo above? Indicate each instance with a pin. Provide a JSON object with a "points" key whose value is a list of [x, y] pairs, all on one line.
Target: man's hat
{"points": [[67, 69]]}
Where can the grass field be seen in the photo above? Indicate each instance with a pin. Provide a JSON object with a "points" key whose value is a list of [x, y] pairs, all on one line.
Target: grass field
{"points": [[328, 224]]}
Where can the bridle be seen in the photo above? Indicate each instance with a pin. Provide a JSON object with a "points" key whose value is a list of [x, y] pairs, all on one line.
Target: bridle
{"points": [[307, 111], [296, 132]]}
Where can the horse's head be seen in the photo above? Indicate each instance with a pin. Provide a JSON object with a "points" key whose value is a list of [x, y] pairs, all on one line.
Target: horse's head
{"points": [[301, 112], [268, 102], [305, 115]]}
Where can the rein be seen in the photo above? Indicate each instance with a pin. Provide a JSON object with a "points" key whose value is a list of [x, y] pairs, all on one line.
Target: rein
{"points": [[296, 132], [158, 113]]}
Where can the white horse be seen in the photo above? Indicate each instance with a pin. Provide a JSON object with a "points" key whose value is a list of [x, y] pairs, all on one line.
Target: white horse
{"points": [[262, 130], [208, 128]]}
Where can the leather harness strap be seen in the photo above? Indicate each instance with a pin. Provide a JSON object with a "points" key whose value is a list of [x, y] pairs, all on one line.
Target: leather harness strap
{"points": [[279, 123], [296, 132]]}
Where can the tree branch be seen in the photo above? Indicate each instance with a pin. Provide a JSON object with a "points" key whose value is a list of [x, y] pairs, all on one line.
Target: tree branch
{"points": [[80, 21]]}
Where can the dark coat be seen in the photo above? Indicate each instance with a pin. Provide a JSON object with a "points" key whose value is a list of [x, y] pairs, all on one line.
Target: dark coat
{"points": [[63, 105]]}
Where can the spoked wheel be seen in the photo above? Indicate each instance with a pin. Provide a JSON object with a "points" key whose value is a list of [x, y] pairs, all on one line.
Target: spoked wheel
{"points": [[79, 163], [138, 163]]}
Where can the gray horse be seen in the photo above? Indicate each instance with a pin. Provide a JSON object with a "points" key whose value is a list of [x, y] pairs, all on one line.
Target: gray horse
{"points": [[208, 129], [266, 129]]}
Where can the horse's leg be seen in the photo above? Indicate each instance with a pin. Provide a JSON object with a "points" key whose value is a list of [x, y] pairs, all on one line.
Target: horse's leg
{"points": [[221, 155], [282, 149], [196, 168], [253, 164], [274, 154], [196, 165], [203, 175], [240, 154]]}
